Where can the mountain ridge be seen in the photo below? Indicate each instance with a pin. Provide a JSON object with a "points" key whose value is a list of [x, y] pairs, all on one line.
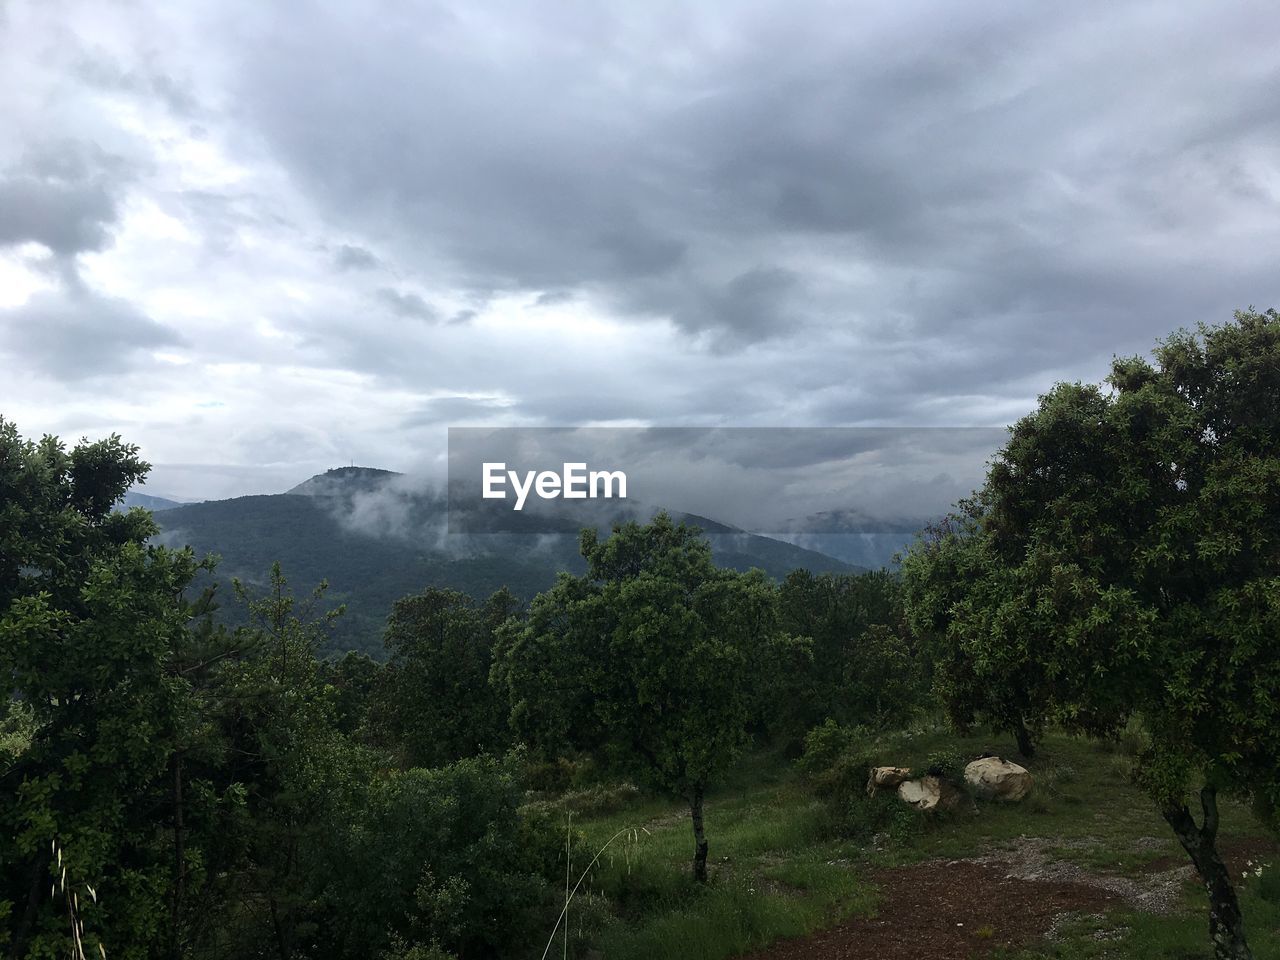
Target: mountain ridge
{"points": [[376, 535]]}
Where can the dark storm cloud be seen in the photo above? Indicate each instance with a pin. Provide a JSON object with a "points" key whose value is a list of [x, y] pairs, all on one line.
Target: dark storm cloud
{"points": [[66, 218], [63, 194], [57, 202], [105, 73], [1005, 166], [75, 335]]}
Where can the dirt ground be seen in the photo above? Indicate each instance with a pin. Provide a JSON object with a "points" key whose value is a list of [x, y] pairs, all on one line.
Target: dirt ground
{"points": [[944, 911], [960, 909]]}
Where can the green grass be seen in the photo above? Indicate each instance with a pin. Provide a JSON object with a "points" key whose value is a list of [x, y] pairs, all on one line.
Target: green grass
{"points": [[1138, 936], [780, 868]]}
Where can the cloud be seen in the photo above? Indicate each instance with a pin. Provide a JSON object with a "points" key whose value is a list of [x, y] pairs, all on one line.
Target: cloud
{"points": [[447, 410], [61, 195], [409, 305], [350, 257], [75, 335], [713, 187], [798, 213]]}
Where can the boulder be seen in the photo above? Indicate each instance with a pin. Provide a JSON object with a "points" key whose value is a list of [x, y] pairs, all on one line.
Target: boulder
{"points": [[882, 778], [995, 779], [931, 794]]}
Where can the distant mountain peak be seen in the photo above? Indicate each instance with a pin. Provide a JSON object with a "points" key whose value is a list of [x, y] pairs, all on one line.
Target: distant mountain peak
{"points": [[344, 479], [133, 498]]}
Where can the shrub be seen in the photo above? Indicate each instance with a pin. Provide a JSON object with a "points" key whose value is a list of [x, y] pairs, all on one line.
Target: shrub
{"points": [[947, 764], [441, 857], [832, 757], [865, 817]]}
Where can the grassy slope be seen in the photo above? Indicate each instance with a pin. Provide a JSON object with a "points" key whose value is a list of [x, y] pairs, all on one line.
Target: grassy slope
{"points": [[778, 872]]}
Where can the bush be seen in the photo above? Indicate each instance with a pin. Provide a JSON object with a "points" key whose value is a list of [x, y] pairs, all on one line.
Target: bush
{"points": [[439, 857], [947, 764], [836, 763], [864, 817], [833, 758]]}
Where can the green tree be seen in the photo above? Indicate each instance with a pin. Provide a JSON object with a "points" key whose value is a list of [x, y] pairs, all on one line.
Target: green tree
{"points": [[864, 669], [653, 658], [302, 780], [353, 678], [90, 615], [1123, 558], [437, 857], [1008, 686], [435, 702]]}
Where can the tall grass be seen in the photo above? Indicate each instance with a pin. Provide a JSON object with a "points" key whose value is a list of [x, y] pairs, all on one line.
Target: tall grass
{"points": [[632, 837]]}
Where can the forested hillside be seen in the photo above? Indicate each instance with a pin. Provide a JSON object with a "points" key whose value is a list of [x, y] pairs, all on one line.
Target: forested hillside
{"points": [[375, 542]]}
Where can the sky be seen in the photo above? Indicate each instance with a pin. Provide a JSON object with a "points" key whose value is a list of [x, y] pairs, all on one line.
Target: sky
{"points": [[260, 240]]}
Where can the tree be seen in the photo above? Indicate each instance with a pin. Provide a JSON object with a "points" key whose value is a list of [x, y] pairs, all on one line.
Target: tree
{"points": [[301, 778], [652, 658], [1007, 686], [438, 856], [435, 701], [90, 615], [353, 678], [864, 669], [1124, 557]]}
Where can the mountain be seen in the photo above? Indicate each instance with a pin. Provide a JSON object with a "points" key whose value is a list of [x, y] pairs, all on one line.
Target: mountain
{"points": [[145, 500], [376, 536]]}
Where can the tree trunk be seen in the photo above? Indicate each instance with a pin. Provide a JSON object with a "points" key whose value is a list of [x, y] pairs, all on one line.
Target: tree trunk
{"points": [[1226, 925], [699, 838], [1026, 745]]}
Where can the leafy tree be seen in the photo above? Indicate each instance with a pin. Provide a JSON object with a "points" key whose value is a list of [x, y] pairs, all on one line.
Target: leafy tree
{"points": [[436, 704], [864, 668], [1008, 686], [353, 677], [437, 858], [652, 658], [90, 615], [300, 777], [1124, 557]]}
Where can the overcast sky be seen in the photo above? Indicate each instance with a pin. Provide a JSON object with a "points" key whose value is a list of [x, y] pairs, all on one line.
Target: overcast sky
{"points": [[262, 239]]}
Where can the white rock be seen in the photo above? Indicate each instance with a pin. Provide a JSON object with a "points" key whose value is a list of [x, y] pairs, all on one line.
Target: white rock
{"points": [[930, 793], [882, 778], [995, 779]]}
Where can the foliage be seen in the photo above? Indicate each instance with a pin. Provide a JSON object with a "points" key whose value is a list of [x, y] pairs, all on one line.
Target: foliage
{"points": [[1122, 557], [653, 658], [439, 858], [351, 681], [835, 757], [17, 730], [90, 616], [948, 764], [865, 667], [435, 701]]}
